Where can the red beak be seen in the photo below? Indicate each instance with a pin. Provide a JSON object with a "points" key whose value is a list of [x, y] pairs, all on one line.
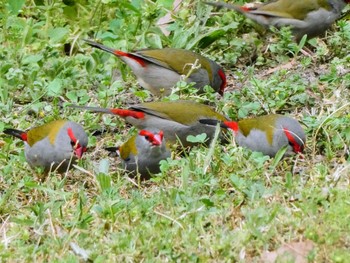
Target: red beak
{"points": [[79, 151], [157, 140]]}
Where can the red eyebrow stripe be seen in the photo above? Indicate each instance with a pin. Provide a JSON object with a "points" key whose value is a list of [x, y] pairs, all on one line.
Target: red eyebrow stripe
{"points": [[296, 146], [128, 113], [24, 136], [71, 135], [152, 137], [224, 81], [146, 133]]}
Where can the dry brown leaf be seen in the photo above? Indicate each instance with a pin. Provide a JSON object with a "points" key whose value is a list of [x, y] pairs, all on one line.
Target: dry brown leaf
{"points": [[296, 251], [164, 21], [287, 66]]}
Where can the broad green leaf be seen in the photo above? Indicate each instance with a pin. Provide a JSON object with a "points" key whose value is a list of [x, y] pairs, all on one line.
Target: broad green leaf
{"points": [[154, 40], [54, 88], [72, 96], [168, 4], [70, 12], [32, 59], [200, 138], [15, 5], [210, 38], [207, 202], [103, 166], [57, 34]]}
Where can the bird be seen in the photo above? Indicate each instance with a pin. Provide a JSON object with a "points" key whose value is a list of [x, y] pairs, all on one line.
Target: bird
{"points": [[142, 153], [267, 133], [158, 70], [54, 145], [307, 17], [177, 119]]}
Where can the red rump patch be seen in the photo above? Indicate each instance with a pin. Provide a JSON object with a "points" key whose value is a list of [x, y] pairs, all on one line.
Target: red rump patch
{"points": [[129, 55], [128, 113], [245, 9], [120, 53], [224, 82], [232, 125], [297, 148], [24, 136]]}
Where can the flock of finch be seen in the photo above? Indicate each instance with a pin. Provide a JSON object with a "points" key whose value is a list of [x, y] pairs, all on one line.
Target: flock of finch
{"points": [[56, 145]]}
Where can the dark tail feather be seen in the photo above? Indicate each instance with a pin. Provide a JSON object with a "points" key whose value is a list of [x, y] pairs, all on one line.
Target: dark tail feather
{"points": [[113, 151], [93, 109], [99, 46], [16, 133], [213, 122]]}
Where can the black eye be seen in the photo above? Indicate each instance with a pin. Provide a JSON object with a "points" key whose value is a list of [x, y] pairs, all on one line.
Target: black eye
{"points": [[147, 137], [72, 143]]}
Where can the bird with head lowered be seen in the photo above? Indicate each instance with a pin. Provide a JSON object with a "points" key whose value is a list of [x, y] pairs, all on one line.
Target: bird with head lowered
{"points": [[142, 153], [305, 17], [53, 146], [177, 119], [158, 70], [267, 134]]}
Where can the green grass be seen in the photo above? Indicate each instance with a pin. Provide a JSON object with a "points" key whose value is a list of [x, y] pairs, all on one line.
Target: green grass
{"points": [[217, 205]]}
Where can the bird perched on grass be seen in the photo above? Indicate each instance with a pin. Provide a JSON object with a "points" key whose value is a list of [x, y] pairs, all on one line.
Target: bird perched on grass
{"points": [[267, 134], [55, 145], [177, 119], [142, 153], [158, 70], [305, 17]]}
